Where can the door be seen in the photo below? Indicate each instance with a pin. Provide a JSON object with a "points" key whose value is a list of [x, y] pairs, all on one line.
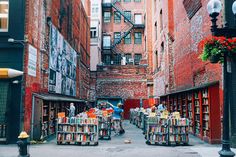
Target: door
{"points": [[4, 94], [37, 118], [128, 104]]}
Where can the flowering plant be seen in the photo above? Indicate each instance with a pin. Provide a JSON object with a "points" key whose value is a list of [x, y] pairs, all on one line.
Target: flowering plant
{"points": [[215, 47]]}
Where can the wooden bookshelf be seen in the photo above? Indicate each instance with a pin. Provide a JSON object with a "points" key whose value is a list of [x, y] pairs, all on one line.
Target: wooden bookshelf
{"points": [[202, 107]]}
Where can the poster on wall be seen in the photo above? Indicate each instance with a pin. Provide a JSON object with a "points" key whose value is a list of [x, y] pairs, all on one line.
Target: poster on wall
{"points": [[32, 61], [62, 65]]}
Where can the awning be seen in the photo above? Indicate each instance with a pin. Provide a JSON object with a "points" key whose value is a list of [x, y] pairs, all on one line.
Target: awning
{"points": [[52, 97], [193, 88]]}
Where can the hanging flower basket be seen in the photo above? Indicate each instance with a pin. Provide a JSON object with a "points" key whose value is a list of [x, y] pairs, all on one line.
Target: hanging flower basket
{"points": [[214, 48]]}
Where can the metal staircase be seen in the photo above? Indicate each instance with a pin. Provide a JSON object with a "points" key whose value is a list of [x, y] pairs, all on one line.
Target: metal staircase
{"points": [[125, 31]]}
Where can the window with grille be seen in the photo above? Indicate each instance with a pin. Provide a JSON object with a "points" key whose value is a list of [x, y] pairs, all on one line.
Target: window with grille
{"points": [[128, 57], [4, 15], [137, 58], [128, 39], [106, 41], [138, 38], [107, 59], [128, 15], [117, 17], [117, 59], [107, 17], [117, 36]]}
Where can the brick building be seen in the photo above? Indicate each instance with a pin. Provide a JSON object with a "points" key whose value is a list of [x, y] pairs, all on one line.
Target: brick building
{"points": [[179, 73], [125, 58], [52, 47]]}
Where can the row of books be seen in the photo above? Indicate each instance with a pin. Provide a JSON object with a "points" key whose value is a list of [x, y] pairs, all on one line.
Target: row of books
{"points": [[70, 137], [104, 132], [178, 130], [76, 128], [179, 138], [75, 120], [179, 122], [157, 129], [158, 138]]}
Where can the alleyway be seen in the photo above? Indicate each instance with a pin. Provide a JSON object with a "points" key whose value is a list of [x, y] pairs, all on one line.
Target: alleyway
{"points": [[117, 148]]}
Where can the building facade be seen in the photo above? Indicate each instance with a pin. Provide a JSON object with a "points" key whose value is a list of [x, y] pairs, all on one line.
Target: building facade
{"points": [[52, 47], [124, 70], [179, 74], [96, 34]]}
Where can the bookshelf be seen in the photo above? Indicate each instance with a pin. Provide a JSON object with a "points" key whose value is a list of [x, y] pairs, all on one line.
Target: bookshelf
{"points": [[104, 130], [197, 121], [157, 131], [203, 111], [79, 131], [190, 112], [178, 131]]}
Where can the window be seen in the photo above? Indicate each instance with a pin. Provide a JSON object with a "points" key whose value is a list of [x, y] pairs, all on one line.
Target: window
{"points": [[117, 59], [155, 30], [138, 38], [107, 17], [156, 59], [117, 17], [4, 11], [107, 59], [128, 57], [138, 18], [116, 36], [106, 41], [127, 0], [93, 32], [137, 0], [127, 15], [161, 21], [128, 39], [162, 47], [137, 58]]}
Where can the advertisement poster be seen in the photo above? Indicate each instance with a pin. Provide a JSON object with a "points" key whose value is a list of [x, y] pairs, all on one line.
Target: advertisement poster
{"points": [[32, 61], [62, 64]]}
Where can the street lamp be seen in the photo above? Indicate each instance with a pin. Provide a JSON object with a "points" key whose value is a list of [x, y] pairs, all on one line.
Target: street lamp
{"points": [[214, 8]]}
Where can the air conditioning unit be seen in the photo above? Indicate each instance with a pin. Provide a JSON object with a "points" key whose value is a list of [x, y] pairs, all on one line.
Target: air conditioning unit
{"points": [[123, 61], [112, 62]]}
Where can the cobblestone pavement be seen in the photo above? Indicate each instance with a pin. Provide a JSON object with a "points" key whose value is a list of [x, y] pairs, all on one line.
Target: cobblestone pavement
{"points": [[117, 148]]}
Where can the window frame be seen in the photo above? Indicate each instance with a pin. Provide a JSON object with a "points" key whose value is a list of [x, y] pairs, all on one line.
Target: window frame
{"points": [[117, 33], [116, 19], [137, 40], [137, 62], [128, 39], [105, 19], [130, 15]]}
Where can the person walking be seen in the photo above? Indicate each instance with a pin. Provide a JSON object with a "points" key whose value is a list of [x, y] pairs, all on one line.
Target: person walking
{"points": [[117, 118]]}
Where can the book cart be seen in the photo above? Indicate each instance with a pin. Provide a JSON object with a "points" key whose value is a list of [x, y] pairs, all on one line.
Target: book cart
{"points": [[178, 131], [77, 131], [201, 106], [104, 127], [157, 131], [131, 118]]}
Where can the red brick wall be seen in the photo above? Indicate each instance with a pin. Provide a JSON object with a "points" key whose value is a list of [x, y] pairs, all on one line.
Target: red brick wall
{"points": [[127, 82], [180, 66], [37, 30]]}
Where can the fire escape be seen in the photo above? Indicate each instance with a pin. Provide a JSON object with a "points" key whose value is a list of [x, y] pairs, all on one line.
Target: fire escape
{"points": [[114, 4]]}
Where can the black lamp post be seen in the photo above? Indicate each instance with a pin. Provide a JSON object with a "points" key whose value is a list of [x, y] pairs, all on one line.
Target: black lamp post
{"points": [[214, 7]]}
